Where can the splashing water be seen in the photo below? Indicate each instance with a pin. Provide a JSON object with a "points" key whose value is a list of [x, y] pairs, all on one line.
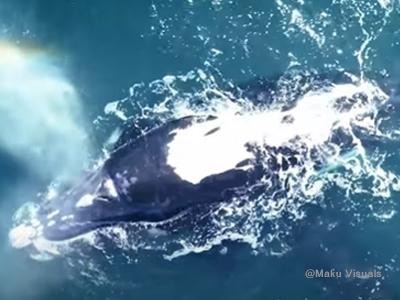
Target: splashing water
{"points": [[308, 117]]}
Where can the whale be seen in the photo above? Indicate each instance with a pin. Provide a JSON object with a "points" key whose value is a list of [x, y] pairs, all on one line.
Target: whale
{"points": [[195, 161], [136, 183]]}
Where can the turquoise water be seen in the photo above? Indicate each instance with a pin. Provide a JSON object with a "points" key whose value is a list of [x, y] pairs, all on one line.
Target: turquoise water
{"points": [[102, 49]]}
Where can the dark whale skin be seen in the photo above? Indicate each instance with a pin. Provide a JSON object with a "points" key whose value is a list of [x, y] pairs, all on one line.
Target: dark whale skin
{"points": [[147, 188]]}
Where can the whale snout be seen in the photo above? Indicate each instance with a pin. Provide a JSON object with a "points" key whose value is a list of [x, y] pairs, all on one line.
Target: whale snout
{"points": [[75, 210]]}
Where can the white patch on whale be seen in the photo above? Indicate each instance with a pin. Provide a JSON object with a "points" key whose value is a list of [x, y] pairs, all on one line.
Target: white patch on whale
{"points": [[109, 184], [53, 214], [85, 200], [21, 236], [195, 155], [51, 223], [69, 217]]}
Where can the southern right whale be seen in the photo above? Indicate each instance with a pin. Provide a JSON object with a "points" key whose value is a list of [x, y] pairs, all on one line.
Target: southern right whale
{"points": [[137, 184], [201, 160]]}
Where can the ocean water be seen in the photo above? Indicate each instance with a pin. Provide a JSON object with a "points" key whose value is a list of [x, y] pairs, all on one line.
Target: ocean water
{"points": [[73, 72]]}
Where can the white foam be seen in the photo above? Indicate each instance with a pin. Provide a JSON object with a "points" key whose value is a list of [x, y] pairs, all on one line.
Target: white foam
{"points": [[112, 108], [385, 4], [195, 155], [298, 19], [21, 236]]}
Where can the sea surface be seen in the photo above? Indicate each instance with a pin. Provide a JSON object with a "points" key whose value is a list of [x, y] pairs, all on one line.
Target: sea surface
{"points": [[74, 73]]}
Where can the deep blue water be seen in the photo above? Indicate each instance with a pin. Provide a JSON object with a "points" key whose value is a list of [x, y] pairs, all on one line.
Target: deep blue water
{"points": [[104, 47]]}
